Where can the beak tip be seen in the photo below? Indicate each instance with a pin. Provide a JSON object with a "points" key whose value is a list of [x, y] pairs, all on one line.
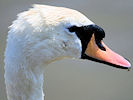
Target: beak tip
{"points": [[125, 63], [128, 65]]}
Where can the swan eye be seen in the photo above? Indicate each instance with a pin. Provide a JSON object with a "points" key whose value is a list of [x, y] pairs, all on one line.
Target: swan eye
{"points": [[72, 28]]}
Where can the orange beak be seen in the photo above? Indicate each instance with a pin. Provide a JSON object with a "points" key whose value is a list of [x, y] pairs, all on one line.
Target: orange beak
{"points": [[108, 57]]}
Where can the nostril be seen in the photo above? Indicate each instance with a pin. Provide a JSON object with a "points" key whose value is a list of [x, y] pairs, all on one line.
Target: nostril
{"points": [[99, 44]]}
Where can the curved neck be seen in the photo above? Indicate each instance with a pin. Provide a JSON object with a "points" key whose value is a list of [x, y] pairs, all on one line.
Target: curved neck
{"points": [[25, 83]]}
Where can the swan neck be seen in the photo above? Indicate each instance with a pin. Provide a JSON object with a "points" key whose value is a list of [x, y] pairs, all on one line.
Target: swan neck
{"points": [[25, 84]]}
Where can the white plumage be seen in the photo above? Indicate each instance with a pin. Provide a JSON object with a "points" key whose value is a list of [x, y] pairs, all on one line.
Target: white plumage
{"points": [[44, 34], [38, 37]]}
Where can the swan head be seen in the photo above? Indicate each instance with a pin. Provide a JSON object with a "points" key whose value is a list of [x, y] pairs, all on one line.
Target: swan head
{"points": [[45, 33]]}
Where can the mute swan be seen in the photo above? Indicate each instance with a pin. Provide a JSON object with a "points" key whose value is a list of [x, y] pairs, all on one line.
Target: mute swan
{"points": [[44, 34]]}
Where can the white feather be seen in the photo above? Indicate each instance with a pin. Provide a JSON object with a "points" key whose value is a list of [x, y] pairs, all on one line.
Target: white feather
{"points": [[38, 37]]}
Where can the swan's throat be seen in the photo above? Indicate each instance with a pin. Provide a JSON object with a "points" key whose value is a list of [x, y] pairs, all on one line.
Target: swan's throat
{"points": [[25, 84]]}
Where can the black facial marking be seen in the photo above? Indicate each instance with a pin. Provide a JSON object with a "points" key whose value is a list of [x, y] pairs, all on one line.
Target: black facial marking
{"points": [[85, 33], [99, 35]]}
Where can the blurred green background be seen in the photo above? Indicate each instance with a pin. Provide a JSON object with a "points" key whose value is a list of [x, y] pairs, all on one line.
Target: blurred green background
{"points": [[76, 79]]}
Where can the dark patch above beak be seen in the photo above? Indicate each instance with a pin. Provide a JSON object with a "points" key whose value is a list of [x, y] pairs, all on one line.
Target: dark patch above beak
{"points": [[85, 33], [94, 49]]}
